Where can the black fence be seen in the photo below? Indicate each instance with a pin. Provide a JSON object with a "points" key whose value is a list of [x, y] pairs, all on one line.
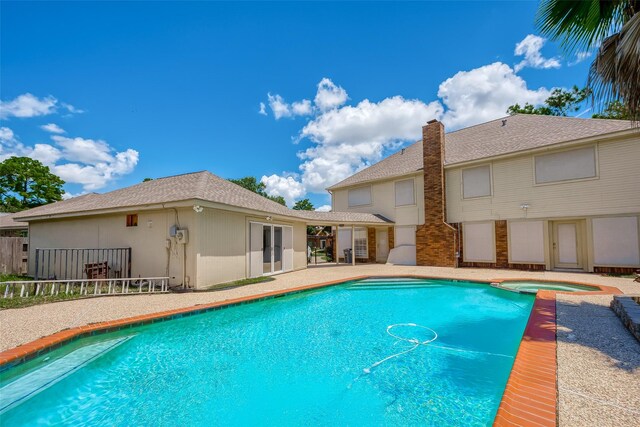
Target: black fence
{"points": [[70, 264]]}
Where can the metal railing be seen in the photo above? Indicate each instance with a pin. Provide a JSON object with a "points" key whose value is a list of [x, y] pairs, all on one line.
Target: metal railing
{"points": [[82, 263], [85, 287]]}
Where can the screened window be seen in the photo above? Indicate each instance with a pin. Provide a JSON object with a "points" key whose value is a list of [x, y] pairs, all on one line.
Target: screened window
{"points": [[361, 243], [479, 242], [476, 182], [132, 220], [405, 193], [567, 165], [360, 196]]}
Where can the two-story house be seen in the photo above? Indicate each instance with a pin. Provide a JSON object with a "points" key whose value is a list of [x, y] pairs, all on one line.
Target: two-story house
{"points": [[525, 191]]}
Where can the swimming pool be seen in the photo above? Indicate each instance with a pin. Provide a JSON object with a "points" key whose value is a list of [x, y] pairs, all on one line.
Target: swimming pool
{"points": [[533, 286], [371, 352]]}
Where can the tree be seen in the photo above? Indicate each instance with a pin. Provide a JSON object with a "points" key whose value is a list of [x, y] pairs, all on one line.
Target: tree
{"points": [[613, 27], [26, 183], [561, 102], [147, 179], [252, 184], [303, 205], [614, 110]]}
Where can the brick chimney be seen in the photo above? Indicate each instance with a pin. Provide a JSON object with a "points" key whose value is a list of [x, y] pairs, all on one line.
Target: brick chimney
{"points": [[435, 240]]}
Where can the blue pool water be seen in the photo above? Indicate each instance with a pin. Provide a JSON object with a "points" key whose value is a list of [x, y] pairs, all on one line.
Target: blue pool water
{"points": [[324, 357]]}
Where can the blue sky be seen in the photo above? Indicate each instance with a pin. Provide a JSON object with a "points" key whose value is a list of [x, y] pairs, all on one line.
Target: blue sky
{"points": [[154, 89]]}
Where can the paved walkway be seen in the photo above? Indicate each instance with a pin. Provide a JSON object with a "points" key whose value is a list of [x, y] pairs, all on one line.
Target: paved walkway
{"points": [[598, 360]]}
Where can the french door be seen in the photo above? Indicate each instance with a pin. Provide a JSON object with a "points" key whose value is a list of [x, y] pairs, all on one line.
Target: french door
{"points": [[271, 249]]}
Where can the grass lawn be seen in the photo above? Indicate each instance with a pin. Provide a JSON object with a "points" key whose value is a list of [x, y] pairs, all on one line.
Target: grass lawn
{"points": [[18, 302]]}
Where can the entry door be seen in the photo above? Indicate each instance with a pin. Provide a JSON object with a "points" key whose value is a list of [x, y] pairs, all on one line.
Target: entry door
{"points": [[566, 245], [382, 245]]}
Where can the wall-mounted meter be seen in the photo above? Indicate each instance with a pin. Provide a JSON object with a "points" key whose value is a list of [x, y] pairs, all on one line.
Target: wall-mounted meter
{"points": [[182, 236]]}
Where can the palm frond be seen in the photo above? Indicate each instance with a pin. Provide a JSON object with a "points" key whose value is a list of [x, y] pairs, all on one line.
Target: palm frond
{"points": [[615, 71], [581, 24]]}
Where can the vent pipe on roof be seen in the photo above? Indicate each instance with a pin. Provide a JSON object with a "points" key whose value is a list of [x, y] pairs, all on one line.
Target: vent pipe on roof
{"points": [[504, 122]]}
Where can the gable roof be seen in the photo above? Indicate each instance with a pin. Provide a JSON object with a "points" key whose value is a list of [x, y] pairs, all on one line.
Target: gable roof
{"points": [[520, 132], [8, 222], [203, 186]]}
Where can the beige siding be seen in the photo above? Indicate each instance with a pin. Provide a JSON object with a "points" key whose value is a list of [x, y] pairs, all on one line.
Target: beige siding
{"points": [[615, 191], [222, 249], [147, 241], [383, 202]]}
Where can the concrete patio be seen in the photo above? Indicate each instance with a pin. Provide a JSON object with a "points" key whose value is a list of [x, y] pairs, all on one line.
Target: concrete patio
{"points": [[590, 337]]}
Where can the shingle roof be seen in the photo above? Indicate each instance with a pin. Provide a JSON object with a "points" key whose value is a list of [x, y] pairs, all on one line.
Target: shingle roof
{"points": [[203, 186], [8, 222], [520, 133]]}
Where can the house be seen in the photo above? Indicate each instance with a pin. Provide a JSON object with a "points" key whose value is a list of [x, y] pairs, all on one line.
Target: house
{"points": [[13, 245], [524, 192], [197, 228], [10, 227]]}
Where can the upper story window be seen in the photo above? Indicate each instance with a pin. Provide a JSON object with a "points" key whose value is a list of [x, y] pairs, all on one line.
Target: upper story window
{"points": [[132, 220], [566, 165], [360, 196], [476, 182], [405, 193]]}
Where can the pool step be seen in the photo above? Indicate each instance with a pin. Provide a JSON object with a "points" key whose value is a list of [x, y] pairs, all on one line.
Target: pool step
{"points": [[27, 386], [382, 284]]}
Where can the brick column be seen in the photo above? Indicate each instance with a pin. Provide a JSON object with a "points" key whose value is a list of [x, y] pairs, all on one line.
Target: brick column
{"points": [[391, 238], [371, 243], [502, 249], [435, 240]]}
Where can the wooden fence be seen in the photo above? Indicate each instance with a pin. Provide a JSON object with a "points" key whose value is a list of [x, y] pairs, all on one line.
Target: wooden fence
{"points": [[14, 253]]}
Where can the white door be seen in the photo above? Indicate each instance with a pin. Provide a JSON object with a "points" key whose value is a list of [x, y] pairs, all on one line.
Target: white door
{"points": [[382, 245], [287, 242], [566, 245], [255, 245]]}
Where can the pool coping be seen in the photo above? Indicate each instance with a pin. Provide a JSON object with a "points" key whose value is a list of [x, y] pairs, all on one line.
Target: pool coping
{"points": [[529, 398]]}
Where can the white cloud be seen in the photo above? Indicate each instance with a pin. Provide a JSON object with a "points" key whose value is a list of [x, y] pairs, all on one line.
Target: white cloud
{"points": [[347, 138], [281, 108], [353, 137], [324, 208], [285, 186], [6, 135], [263, 109], [28, 105], [484, 94], [329, 95], [97, 176], [302, 108], [84, 150], [52, 128], [580, 57], [91, 163], [47, 154], [530, 47]]}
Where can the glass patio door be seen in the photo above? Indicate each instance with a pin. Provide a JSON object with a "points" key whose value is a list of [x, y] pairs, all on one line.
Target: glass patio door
{"points": [[271, 249]]}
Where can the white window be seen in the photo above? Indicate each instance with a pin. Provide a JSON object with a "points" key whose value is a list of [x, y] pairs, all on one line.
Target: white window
{"points": [[566, 165], [476, 182], [360, 196], [344, 241], [405, 193], [526, 242], [362, 251], [479, 242], [615, 241]]}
